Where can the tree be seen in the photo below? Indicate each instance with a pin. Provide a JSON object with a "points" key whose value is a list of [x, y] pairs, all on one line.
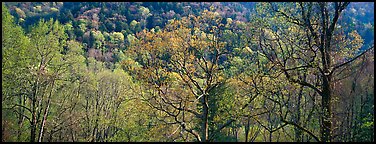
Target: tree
{"points": [[309, 37], [353, 99], [187, 72], [171, 65], [118, 38], [182, 68], [49, 39], [66, 113], [15, 61], [145, 13]]}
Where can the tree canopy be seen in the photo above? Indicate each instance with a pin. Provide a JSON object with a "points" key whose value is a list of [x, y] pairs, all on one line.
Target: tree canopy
{"points": [[183, 72]]}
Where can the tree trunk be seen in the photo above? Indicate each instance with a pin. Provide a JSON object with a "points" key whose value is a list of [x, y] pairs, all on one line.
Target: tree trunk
{"points": [[326, 126], [43, 122], [33, 125], [236, 134], [45, 114], [270, 136], [21, 118], [247, 130], [328, 31], [72, 135], [3, 131], [205, 125], [50, 137], [34, 115], [95, 129], [298, 132]]}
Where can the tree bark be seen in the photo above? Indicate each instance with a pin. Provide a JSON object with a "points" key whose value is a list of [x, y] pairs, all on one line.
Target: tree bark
{"points": [[298, 132], [45, 114], [205, 125], [21, 117], [247, 130], [43, 122], [327, 110], [34, 116]]}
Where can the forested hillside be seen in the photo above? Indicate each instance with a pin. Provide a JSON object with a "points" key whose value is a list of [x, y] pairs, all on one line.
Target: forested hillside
{"points": [[187, 71]]}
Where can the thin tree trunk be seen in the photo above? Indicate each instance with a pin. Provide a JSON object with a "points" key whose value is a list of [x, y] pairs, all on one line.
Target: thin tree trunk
{"points": [[21, 118], [298, 132], [72, 135], [95, 130], [205, 126], [50, 137], [351, 117], [3, 131], [236, 134], [43, 122], [33, 119], [247, 130], [270, 136], [45, 114]]}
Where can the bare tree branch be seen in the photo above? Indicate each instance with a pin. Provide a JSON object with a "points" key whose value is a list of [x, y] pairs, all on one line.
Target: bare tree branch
{"points": [[349, 61], [301, 128]]}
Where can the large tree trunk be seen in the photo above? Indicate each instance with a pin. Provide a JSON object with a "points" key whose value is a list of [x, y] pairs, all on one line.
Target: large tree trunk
{"points": [[326, 124], [327, 111]]}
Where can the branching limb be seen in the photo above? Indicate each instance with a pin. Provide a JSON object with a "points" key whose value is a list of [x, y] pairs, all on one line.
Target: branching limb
{"points": [[351, 60]]}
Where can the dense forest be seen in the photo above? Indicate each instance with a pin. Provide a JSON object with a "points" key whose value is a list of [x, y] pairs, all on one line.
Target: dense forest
{"points": [[187, 71]]}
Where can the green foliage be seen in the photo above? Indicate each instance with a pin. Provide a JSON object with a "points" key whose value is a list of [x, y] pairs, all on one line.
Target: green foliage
{"points": [[140, 71], [14, 45], [48, 38], [20, 13], [118, 37], [54, 9], [15, 62]]}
